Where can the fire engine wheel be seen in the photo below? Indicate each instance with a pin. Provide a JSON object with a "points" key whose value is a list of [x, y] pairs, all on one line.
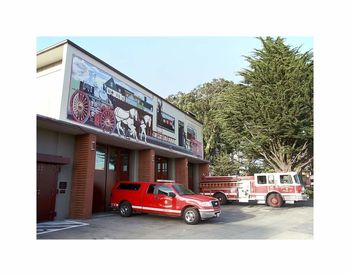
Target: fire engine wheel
{"points": [[221, 197], [274, 200], [125, 209], [191, 216]]}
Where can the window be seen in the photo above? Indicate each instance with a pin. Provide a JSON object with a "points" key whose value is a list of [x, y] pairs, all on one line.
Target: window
{"points": [[151, 189], [164, 190], [262, 179], [112, 160], [286, 179], [129, 186], [100, 158], [297, 179], [165, 167], [124, 162], [271, 179], [182, 190]]}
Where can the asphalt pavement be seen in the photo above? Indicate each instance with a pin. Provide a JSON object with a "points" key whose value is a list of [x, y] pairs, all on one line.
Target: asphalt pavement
{"points": [[237, 221]]}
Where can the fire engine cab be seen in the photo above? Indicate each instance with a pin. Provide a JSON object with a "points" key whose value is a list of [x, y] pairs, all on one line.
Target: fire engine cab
{"points": [[274, 189]]}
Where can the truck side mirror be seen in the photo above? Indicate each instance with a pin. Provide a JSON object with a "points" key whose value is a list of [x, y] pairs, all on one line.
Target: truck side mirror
{"points": [[172, 194]]}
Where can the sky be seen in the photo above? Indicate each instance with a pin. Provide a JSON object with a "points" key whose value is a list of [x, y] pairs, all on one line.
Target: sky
{"points": [[167, 65]]}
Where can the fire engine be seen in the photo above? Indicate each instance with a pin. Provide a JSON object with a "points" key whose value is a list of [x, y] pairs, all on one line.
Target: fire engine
{"points": [[274, 189]]}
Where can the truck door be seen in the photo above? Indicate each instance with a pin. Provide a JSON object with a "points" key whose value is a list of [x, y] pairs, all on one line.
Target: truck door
{"points": [[149, 202], [165, 202], [286, 184], [244, 190], [260, 187], [271, 181], [156, 200]]}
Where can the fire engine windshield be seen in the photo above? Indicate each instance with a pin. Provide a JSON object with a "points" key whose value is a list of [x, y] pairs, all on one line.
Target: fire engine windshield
{"points": [[182, 190], [296, 179]]}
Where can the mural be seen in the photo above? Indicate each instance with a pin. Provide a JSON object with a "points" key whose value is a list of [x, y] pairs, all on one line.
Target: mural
{"points": [[164, 120], [97, 99], [102, 101], [181, 134], [195, 146]]}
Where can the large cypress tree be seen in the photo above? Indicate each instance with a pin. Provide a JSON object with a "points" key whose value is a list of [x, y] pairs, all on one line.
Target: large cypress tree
{"points": [[271, 114]]}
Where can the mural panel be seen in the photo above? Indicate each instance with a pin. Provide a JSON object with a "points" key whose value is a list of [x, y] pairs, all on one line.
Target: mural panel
{"points": [[192, 142], [164, 120], [100, 100], [181, 134]]}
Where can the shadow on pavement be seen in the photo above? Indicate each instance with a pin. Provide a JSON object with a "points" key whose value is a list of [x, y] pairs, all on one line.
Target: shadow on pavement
{"points": [[307, 203]]}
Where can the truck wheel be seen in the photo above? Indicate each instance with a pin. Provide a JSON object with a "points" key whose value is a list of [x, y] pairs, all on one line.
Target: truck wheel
{"points": [[274, 200], [221, 197], [191, 216], [125, 209]]}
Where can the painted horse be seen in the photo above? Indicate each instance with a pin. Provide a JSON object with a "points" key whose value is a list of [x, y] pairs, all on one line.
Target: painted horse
{"points": [[127, 117]]}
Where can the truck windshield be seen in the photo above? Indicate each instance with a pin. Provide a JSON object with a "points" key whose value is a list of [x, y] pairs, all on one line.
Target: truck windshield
{"points": [[299, 180], [296, 179], [182, 190]]}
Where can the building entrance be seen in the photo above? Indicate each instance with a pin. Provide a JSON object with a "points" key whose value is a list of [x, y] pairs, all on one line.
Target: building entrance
{"points": [[112, 165], [161, 170]]}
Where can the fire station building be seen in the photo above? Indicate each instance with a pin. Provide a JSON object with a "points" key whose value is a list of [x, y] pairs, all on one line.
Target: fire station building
{"points": [[96, 126]]}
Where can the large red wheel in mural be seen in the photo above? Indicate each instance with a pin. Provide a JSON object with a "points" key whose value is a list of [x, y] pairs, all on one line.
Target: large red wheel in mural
{"points": [[80, 106], [107, 120]]}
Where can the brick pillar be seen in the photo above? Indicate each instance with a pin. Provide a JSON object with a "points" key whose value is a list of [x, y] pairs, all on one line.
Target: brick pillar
{"points": [[83, 176], [181, 171], [203, 170], [146, 165]]}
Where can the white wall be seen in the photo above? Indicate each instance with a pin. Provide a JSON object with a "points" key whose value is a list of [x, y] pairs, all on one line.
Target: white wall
{"points": [[49, 91]]}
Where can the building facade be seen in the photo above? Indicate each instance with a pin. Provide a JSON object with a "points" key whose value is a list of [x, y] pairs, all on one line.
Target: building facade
{"points": [[96, 126]]}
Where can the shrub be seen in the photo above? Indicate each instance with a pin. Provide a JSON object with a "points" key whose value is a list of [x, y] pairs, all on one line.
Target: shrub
{"points": [[310, 192]]}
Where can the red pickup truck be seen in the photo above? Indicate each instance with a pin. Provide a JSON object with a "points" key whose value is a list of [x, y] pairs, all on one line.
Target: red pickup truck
{"points": [[171, 199]]}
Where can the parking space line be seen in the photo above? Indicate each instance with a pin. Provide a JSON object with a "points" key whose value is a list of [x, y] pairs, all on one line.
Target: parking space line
{"points": [[53, 226]]}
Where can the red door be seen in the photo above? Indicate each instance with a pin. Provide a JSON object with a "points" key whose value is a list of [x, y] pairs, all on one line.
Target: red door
{"points": [[124, 165], [46, 191], [98, 201], [166, 203], [161, 170], [149, 200]]}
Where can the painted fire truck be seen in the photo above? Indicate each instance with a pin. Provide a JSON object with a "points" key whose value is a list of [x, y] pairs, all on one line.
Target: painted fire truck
{"points": [[274, 189]]}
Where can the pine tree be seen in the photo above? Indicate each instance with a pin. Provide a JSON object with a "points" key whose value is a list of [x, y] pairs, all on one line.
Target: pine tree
{"points": [[271, 114]]}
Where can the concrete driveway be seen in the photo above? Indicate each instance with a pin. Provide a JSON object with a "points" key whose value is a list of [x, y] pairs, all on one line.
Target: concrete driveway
{"points": [[237, 221]]}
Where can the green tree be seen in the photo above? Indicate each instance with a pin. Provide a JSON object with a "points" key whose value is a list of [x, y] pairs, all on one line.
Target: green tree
{"points": [[270, 115], [225, 164], [202, 101]]}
